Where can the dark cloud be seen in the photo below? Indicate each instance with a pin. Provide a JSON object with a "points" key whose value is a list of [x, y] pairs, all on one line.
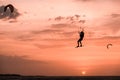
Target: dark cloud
{"points": [[69, 34], [18, 64], [90, 34], [82, 21], [45, 31], [2, 33], [69, 19], [115, 15], [113, 23], [68, 31], [85, 0], [114, 1], [106, 69], [110, 25], [111, 37], [59, 18], [49, 46], [62, 26], [8, 15], [30, 36], [12, 21], [14, 59], [77, 16], [56, 31], [18, 36], [24, 38]]}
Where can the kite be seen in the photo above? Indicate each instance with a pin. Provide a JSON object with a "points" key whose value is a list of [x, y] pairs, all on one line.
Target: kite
{"points": [[10, 6], [108, 45]]}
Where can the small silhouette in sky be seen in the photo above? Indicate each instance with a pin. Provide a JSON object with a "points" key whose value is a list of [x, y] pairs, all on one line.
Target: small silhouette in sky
{"points": [[108, 45], [10, 6], [81, 34]]}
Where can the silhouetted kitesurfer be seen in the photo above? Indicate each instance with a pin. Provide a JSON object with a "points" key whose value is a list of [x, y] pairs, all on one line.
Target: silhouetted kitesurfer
{"points": [[81, 34]]}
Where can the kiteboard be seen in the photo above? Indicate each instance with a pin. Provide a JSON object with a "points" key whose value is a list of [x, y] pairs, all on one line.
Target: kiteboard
{"points": [[79, 46]]}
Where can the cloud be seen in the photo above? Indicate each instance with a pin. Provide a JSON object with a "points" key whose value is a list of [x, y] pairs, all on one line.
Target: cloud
{"points": [[66, 31], [97, 1], [55, 35], [115, 15], [61, 31], [2, 33], [69, 19], [18, 36], [12, 21], [62, 26], [52, 45], [47, 38], [19, 64], [109, 26], [113, 23], [24, 37], [86, 0], [59, 18], [8, 15], [19, 59], [45, 31], [66, 26]]}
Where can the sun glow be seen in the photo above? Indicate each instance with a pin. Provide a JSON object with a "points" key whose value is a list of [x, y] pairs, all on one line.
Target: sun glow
{"points": [[83, 72]]}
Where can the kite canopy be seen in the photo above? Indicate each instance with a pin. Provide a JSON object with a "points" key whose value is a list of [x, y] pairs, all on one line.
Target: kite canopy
{"points": [[108, 45], [10, 6]]}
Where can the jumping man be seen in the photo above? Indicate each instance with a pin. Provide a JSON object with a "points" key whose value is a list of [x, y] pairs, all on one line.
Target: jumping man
{"points": [[81, 34]]}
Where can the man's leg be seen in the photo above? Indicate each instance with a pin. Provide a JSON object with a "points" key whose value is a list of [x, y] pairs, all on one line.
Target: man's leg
{"points": [[80, 44]]}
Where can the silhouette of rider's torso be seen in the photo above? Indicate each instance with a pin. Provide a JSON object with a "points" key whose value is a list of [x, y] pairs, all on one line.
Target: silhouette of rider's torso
{"points": [[81, 34]]}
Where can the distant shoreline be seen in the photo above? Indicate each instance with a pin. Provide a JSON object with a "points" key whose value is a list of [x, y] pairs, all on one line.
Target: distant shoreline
{"points": [[21, 77]]}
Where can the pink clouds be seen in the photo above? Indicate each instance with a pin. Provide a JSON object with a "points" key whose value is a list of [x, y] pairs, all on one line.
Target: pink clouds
{"points": [[69, 19]]}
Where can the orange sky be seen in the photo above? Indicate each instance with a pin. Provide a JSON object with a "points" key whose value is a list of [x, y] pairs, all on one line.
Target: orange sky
{"points": [[42, 39]]}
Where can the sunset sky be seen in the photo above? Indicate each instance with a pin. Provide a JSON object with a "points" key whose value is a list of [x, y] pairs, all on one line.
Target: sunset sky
{"points": [[40, 36]]}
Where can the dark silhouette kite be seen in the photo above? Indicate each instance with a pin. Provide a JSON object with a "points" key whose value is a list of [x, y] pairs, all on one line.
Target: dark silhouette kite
{"points": [[10, 6], [108, 45]]}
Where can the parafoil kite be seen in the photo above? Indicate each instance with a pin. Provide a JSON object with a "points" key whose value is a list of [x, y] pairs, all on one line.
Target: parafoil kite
{"points": [[108, 45], [10, 6]]}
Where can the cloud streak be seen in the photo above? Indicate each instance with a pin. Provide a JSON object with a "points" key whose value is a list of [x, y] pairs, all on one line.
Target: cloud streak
{"points": [[115, 15], [17, 64], [113, 23], [20, 65], [75, 19]]}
